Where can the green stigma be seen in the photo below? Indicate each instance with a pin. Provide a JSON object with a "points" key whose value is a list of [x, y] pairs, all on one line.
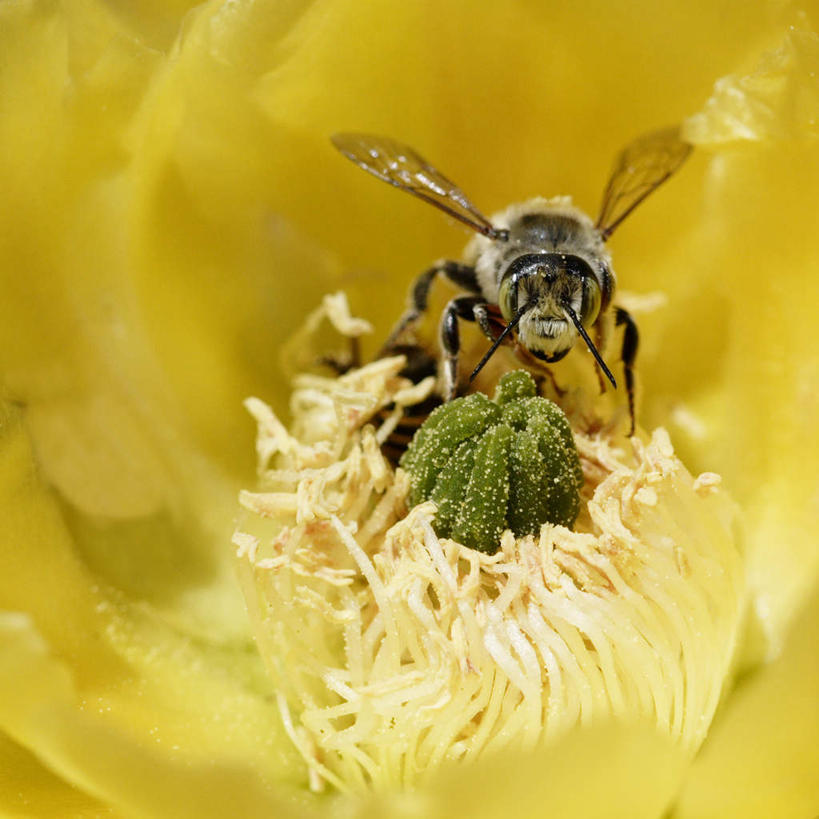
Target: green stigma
{"points": [[508, 463]]}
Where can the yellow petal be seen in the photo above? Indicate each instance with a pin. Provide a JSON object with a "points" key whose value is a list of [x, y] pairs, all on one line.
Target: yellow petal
{"points": [[40, 708], [739, 348], [594, 773], [762, 757], [29, 788], [88, 674]]}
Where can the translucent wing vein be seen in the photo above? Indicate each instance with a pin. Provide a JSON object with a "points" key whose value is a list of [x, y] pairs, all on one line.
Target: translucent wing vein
{"points": [[405, 168], [638, 171]]}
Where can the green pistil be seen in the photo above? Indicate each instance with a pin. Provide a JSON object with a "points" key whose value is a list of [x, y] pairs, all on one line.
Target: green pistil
{"points": [[509, 463]]}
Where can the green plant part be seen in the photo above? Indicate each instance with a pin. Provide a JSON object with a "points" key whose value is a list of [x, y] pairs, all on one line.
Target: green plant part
{"points": [[508, 463]]}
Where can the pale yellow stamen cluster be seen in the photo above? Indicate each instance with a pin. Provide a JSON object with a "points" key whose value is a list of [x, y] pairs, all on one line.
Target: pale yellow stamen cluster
{"points": [[394, 650]]}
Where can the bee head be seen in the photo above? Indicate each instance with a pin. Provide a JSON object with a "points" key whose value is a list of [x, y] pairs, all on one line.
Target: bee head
{"points": [[550, 299], [548, 288]]}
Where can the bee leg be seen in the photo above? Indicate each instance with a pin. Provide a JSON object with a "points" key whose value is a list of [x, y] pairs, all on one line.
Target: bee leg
{"points": [[460, 274], [628, 354], [481, 316], [467, 308]]}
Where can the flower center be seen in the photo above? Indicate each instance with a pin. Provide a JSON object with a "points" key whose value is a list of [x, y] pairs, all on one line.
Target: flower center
{"points": [[394, 649]]}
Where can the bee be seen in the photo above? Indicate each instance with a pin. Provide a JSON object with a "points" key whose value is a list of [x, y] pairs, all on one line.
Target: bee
{"points": [[538, 273]]}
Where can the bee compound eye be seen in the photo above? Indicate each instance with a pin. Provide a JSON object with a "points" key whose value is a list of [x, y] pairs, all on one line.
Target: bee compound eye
{"points": [[508, 298], [590, 303]]}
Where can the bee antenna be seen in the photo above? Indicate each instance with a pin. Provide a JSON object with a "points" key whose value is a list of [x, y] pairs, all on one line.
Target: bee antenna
{"points": [[592, 349], [498, 341]]}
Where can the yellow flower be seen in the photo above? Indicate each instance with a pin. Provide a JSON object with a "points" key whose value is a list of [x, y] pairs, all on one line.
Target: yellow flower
{"points": [[170, 211]]}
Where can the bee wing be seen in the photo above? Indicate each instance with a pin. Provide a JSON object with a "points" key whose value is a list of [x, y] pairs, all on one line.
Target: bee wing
{"points": [[403, 167], [640, 169]]}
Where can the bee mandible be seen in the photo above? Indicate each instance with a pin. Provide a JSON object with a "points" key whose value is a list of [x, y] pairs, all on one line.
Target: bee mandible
{"points": [[539, 270]]}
